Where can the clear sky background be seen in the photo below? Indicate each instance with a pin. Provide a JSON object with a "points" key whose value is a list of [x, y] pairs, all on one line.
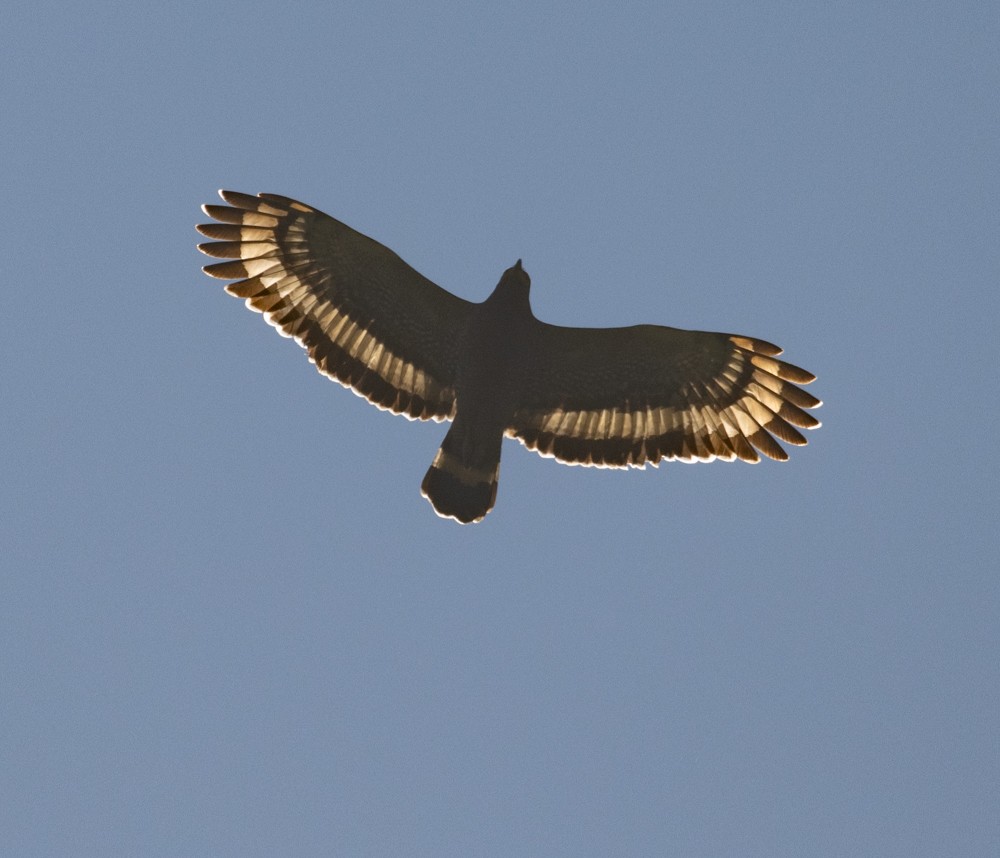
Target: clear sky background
{"points": [[230, 625]]}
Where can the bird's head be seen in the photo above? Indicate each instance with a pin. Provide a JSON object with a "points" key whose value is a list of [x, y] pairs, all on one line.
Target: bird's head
{"points": [[512, 290], [516, 280]]}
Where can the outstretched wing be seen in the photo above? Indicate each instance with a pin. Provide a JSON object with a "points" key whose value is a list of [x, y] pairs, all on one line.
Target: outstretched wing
{"points": [[620, 397], [367, 319]]}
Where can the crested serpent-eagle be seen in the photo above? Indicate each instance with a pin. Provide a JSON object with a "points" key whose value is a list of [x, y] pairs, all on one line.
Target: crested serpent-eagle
{"points": [[607, 397]]}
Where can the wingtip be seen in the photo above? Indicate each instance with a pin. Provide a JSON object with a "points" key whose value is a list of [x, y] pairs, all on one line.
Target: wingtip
{"points": [[222, 192]]}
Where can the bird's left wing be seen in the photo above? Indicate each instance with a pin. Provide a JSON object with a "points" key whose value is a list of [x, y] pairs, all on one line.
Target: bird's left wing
{"points": [[621, 397], [366, 318]]}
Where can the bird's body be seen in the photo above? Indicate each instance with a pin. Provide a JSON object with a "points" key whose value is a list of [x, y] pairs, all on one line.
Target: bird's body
{"points": [[495, 359], [611, 397]]}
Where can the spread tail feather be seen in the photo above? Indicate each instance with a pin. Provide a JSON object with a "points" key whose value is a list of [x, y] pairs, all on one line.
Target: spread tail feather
{"points": [[459, 491]]}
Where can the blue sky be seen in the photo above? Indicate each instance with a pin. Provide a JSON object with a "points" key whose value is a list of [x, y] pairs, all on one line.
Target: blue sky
{"points": [[231, 626]]}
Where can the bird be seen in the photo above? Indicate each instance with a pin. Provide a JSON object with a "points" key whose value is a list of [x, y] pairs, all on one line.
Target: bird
{"points": [[619, 397]]}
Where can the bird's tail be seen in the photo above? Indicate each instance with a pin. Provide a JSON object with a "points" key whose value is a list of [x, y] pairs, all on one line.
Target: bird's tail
{"points": [[461, 485]]}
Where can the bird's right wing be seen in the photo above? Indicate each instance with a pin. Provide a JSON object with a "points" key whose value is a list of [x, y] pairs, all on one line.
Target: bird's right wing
{"points": [[622, 397], [366, 318]]}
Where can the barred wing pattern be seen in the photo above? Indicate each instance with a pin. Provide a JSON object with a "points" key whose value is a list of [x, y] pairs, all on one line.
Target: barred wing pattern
{"points": [[366, 318], [625, 397]]}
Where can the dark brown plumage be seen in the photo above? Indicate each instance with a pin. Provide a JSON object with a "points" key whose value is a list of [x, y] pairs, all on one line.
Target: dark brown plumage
{"points": [[608, 397]]}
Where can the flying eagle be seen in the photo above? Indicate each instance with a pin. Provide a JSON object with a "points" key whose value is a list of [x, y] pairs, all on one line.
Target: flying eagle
{"points": [[606, 397]]}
